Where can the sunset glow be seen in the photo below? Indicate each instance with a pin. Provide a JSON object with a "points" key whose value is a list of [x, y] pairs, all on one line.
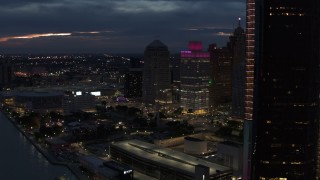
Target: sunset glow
{"points": [[31, 36]]}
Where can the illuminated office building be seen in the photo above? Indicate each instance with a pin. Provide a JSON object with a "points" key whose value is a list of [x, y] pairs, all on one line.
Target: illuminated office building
{"points": [[195, 77], [156, 88], [282, 89]]}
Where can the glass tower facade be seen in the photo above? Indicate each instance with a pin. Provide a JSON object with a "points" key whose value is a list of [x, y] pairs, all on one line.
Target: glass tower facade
{"points": [[283, 47], [195, 76]]}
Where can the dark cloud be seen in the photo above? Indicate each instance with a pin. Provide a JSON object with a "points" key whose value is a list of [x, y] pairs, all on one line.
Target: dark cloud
{"points": [[127, 25]]}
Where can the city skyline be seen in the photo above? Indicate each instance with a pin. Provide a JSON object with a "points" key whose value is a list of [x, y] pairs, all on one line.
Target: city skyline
{"points": [[68, 26]]}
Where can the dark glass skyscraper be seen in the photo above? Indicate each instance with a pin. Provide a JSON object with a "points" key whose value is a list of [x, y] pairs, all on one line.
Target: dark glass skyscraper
{"points": [[238, 71], [221, 74], [156, 87], [6, 73], [282, 88]]}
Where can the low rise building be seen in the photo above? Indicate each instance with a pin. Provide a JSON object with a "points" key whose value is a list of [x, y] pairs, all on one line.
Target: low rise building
{"points": [[195, 146], [38, 101], [164, 163], [76, 103], [231, 154], [106, 170]]}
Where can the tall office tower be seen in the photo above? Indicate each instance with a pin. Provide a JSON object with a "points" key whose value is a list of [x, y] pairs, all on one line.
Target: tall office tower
{"points": [[195, 77], [6, 73], [238, 44], [156, 74], [282, 88], [221, 74]]}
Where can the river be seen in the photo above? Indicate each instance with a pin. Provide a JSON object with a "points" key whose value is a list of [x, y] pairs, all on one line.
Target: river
{"points": [[20, 160]]}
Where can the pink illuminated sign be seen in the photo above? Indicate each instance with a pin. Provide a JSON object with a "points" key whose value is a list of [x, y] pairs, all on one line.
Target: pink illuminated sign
{"points": [[195, 46], [190, 54]]}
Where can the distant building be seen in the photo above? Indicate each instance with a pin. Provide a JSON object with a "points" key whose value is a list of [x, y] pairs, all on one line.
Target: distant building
{"points": [[6, 73], [175, 78], [133, 80], [195, 78], [76, 103], [221, 84], [156, 74], [42, 101], [238, 43]]}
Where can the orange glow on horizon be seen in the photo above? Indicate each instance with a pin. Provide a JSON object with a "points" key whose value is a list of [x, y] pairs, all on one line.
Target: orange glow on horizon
{"points": [[31, 36], [223, 34], [91, 32]]}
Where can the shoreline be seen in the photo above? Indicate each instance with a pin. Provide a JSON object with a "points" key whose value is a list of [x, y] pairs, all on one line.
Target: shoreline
{"points": [[73, 169]]}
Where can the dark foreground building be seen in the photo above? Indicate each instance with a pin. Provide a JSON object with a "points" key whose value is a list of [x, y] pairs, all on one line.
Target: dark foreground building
{"points": [[283, 88]]}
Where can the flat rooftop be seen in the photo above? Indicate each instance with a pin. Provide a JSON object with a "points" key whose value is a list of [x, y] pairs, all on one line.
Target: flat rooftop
{"points": [[230, 143], [39, 93], [96, 165], [167, 157]]}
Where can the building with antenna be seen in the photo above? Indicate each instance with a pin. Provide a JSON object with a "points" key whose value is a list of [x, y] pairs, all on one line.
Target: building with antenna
{"points": [[238, 43]]}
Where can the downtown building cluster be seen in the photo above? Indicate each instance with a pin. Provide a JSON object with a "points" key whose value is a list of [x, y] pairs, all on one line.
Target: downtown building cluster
{"points": [[270, 74], [280, 98], [199, 79]]}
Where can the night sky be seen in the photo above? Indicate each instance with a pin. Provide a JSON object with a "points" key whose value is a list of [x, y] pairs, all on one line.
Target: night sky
{"points": [[113, 26]]}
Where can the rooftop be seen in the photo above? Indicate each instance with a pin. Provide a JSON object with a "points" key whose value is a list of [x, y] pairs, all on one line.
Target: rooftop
{"points": [[230, 143], [168, 157], [157, 45]]}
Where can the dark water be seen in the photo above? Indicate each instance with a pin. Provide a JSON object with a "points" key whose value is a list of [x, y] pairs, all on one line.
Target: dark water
{"points": [[20, 160]]}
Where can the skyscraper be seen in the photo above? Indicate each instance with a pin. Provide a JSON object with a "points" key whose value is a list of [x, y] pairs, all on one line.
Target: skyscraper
{"points": [[156, 86], [195, 77], [282, 89], [221, 84], [133, 83], [175, 77], [6, 73], [133, 79], [238, 44]]}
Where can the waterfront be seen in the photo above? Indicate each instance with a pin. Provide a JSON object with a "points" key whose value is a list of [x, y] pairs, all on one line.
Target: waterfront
{"points": [[19, 159]]}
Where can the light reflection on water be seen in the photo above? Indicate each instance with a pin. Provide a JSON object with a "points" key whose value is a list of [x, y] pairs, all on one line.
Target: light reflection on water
{"points": [[20, 160]]}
